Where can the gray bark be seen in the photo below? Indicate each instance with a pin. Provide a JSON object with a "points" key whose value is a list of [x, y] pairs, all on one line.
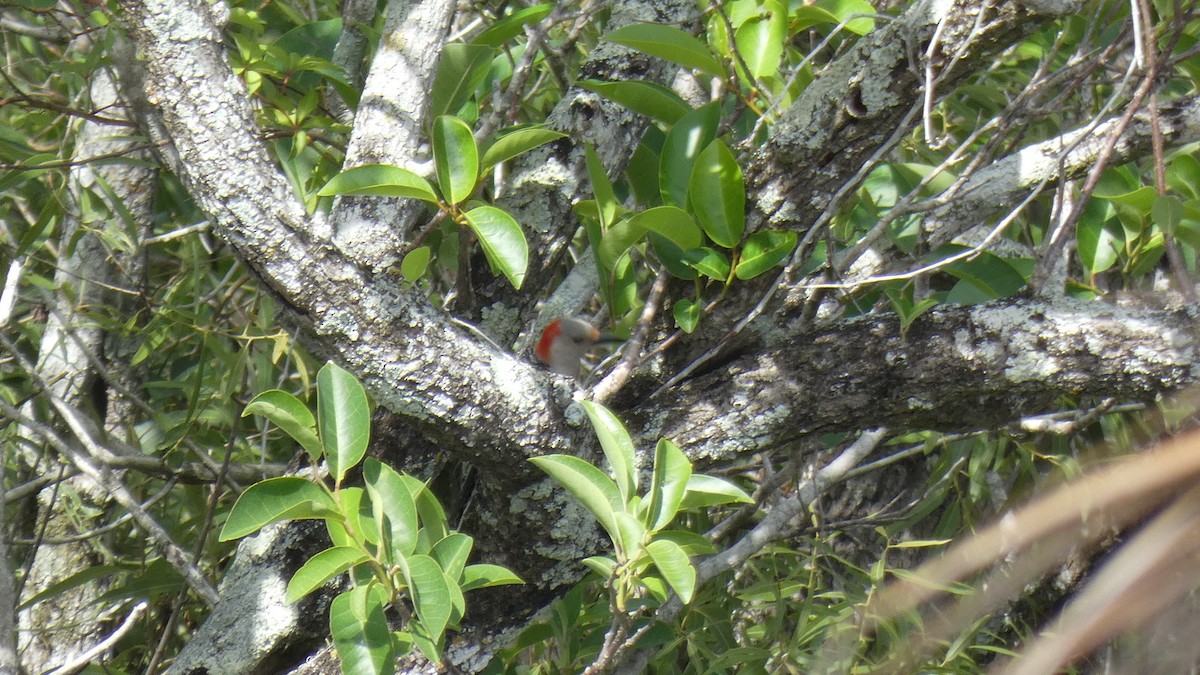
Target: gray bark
{"points": [[94, 277], [987, 364]]}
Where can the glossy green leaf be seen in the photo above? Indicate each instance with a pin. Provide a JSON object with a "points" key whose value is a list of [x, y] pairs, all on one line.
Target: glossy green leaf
{"points": [[764, 250], [1098, 237], [683, 144], [516, 143], [709, 491], [415, 263], [672, 469], [645, 98], [687, 314], [843, 10], [393, 508], [380, 180], [343, 419], [693, 544], [429, 509], [630, 533], [509, 27], [455, 158], [670, 222], [671, 256], [289, 414], [321, 568], [349, 500], [760, 39], [274, 500], [461, 69], [596, 491], [485, 575], [601, 565], [451, 553], [430, 593], [718, 194], [674, 565], [709, 262], [360, 633], [992, 275], [669, 43], [617, 446], [1167, 212], [502, 241], [606, 199]]}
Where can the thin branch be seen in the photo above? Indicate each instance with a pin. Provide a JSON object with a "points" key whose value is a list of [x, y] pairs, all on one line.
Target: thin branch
{"points": [[104, 645]]}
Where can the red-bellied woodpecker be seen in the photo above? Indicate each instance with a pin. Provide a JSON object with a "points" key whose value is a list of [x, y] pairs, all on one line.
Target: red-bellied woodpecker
{"points": [[566, 341]]}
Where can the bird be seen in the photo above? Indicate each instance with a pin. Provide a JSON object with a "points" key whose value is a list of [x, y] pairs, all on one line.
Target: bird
{"points": [[566, 340]]}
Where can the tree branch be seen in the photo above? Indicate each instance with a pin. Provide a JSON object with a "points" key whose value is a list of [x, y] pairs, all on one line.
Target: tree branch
{"points": [[957, 367]]}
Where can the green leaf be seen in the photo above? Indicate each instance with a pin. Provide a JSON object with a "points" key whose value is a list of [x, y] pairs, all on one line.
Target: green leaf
{"points": [[289, 414], [992, 275], [606, 199], [429, 509], [718, 194], [108, 573], [393, 508], [274, 500], [484, 575], [683, 144], [360, 632], [687, 314], [430, 594], [844, 9], [617, 445], [343, 418], [675, 567], [709, 262], [906, 309], [507, 28], [596, 491], [668, 43], [630, 534], [349, 500], [764, 250], [415, 263], [760, 40], [380, 180], [670, 222], [602, 566], [672, 469], [645, 98], [692, 544], [461, 69], [451, 553], [502, 241], [671, 256], [1167, 212], [709, 491], [455, 157], [1098, 236], [321, 568], [515, 143]]}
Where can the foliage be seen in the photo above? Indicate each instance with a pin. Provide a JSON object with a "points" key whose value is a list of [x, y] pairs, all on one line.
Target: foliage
{"points": [[391, 535], [200, 330]]}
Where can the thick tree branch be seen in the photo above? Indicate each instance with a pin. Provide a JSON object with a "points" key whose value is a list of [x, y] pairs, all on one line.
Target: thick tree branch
{"points": [[957, 367], [457, 387], [844, 116], [995, 188], [389, 128]]}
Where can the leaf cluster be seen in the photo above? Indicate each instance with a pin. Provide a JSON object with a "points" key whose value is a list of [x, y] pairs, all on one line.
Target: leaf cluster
{"points": [[391, 534]]}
